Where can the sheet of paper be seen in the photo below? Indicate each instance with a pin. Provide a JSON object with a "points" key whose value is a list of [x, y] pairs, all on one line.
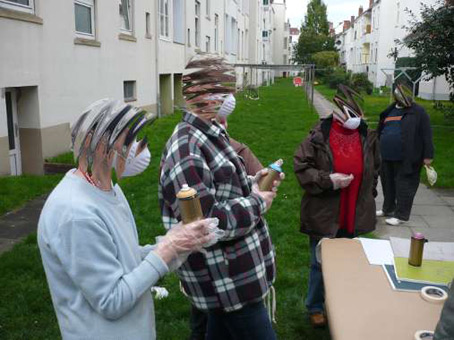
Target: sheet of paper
{"points": [[378, 252], [437, 272], [436, 251]]}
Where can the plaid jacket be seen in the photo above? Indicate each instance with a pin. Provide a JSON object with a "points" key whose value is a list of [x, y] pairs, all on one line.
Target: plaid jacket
{"points": [[240, 268]]}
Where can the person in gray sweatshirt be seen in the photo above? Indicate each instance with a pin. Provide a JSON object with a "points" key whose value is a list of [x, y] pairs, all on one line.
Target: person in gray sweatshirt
{"points": [[99, 276]]}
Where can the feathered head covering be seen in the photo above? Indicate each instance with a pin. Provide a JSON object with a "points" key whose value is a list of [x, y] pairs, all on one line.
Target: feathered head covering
{"points": [[346, 100], [207, 81], [403, 95]]}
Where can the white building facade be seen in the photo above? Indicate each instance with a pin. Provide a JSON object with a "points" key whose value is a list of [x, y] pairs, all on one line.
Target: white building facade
{"points": [[367, 43], [59, 56]]}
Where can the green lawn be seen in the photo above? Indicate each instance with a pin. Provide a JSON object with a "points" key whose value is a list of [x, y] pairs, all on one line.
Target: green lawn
{"points": [[273, 127], [443, 132]]}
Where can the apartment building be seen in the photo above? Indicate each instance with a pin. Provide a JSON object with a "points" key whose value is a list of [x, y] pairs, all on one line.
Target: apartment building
{"points": [[280, 36], [367, 41], [59, 56]]}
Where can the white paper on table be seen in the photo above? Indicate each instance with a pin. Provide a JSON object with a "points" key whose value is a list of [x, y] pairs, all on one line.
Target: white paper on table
{"points": [[437, 251], [378, 252]]}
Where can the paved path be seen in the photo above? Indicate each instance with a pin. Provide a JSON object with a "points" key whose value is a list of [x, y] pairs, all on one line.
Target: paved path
{"points": [[16, 225], [433, 209]]}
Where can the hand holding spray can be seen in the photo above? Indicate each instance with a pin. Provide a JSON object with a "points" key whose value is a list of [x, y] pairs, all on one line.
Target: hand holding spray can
{"points": [[189, 202], [416, 249], [274, 174]]}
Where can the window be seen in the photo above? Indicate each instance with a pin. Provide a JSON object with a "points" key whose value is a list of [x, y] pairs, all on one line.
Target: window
{"points": [[398, 14], [207, 44], [265, 34], [266, 2], [178, 21], [246, 49], [85, 18], [233, 46], [228, 34], [147, 25], [197, 23], [125, 15], [129, 90], [207, 8], [189, 37], [164, 18], [19, 5], [285, 43], [216, 32]]}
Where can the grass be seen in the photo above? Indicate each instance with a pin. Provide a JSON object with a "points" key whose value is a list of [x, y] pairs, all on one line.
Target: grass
{"points": [[443, 132], [273, 127], [17, 190]]}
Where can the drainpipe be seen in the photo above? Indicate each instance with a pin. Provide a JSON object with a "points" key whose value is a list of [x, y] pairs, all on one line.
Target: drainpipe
{"points": [[158, 94]]}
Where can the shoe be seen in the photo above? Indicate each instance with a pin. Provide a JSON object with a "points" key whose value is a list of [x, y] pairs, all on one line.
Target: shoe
{"points": [[318, 320], [380, 213], [394, 221]]}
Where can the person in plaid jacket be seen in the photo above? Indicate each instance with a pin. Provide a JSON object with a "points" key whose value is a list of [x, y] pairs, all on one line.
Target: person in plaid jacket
{"points": [[231, 280]]}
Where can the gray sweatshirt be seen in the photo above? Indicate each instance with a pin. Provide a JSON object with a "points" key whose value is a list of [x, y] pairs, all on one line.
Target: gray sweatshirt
{"points": [[99, 277]]}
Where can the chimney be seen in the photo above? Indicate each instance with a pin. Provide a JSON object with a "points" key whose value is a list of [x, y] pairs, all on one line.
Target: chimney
{"points": [[360, 10], [371, 3], [346, 25]]}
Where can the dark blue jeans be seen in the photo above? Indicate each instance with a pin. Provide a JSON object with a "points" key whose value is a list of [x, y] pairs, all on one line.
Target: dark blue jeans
{"points": [[251, 323], [315, 299]]}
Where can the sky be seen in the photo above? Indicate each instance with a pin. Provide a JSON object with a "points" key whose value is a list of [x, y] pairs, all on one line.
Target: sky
{"points": [[338, 10]]}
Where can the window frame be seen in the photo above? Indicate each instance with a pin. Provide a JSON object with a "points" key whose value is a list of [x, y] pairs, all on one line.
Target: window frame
{"points": [[92, 5], [129, 31], [197, 27], [14, 6], [166, 19], [134, 91], [216, 32], [208, 9], [207, 44]]}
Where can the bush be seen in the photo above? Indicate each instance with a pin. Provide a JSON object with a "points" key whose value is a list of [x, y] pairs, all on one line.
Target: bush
{"points": [[325, 59], [337, 77], [360, 82]]}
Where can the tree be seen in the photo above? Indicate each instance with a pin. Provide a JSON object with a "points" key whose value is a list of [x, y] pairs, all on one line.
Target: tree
{"points": [[314, 35], [432, 40]]}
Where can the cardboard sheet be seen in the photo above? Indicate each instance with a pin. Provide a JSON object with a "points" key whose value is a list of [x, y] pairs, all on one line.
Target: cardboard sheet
{"points": [[360, 302]]}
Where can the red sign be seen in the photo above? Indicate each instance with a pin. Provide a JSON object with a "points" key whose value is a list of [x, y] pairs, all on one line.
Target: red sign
{"points": [[297, 81]]}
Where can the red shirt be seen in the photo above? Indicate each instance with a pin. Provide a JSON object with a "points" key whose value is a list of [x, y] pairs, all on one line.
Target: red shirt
{"points": [[347, 153]]}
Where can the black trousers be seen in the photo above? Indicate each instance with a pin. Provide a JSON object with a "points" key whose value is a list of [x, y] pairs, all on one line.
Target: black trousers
{"points": [[198, 324], [399, 189]]}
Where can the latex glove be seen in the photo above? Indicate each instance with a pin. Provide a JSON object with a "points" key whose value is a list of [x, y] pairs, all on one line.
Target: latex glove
{"points": [[340, 181], [182, 240], [427, 161], [161, 292]]}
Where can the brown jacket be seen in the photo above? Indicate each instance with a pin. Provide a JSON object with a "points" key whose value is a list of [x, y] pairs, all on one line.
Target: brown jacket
{"points": [[251, 162], [313, 163]]}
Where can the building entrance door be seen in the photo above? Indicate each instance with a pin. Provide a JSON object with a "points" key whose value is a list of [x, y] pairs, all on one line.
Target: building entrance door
{"points": [[13, 133]]}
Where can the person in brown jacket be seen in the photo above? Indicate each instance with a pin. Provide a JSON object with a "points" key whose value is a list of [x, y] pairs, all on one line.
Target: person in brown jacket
{"points": [[337, 165]]}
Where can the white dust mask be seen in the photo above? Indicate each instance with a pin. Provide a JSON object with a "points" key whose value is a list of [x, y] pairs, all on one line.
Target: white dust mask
{"points": [[227, 106], [352, 123], [136, 164]]}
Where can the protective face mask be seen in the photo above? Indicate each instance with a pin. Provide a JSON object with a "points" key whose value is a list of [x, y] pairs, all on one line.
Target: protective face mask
{"points": [[352, 123], [136, 164], [227, 106]]}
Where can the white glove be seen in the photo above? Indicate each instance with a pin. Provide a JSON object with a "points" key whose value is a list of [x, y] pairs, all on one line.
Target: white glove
{"points": [[340, 181], [182, 240]]}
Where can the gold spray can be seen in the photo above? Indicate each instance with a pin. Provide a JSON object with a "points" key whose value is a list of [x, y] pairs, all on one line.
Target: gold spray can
{"points": [[189, 202], [416, 249], [274, 173]]}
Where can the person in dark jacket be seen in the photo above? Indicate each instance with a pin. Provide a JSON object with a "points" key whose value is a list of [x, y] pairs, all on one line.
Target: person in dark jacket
{"points": [[406, 145], [445, 326], [337, 165]]}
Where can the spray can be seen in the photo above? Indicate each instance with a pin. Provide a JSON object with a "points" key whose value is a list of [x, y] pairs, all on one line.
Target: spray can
{"points": [[189, 202], [416, 249], [274, 173]]}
